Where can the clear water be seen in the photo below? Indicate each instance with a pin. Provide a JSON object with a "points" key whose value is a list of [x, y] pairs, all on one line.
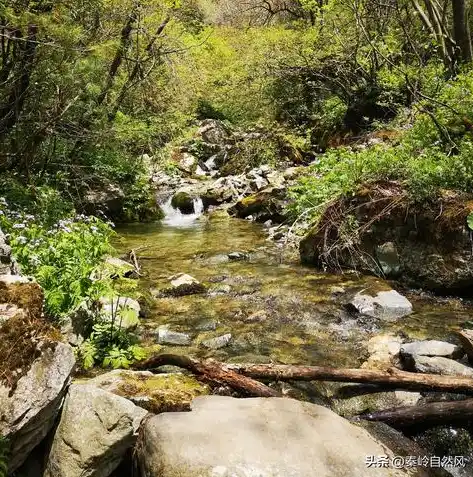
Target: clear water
{"points": [[275, 309]]}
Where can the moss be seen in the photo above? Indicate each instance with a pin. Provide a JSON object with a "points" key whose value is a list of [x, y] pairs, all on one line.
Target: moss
{"points": [[184, 202], [25, 335], [167, 392]]}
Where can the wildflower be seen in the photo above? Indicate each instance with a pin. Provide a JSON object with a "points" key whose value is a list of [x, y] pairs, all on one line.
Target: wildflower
{"points": [[19, 226], [94, 229], [34, 260], [21, 239]]}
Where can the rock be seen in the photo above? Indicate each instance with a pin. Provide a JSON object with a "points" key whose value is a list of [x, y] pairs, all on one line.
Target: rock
{"points": [[107, 198], [169, 337], [96, 429], [184, 202], [268, 204], [154, 392], [126, 311], [466, 339], [29, 410], [183, 284], [432, 348], [275, 437], [257, 317], [427, 245], [187, 162], [238, 256], [388, 259], [207, 325], [437, 365], [213, 131], [218, 342], [221, 289], [386, 305], [7, 264], [268, 224], [384, 352]]}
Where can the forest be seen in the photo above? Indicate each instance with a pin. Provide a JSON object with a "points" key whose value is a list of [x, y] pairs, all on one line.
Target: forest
{"points": [[341, 131]]}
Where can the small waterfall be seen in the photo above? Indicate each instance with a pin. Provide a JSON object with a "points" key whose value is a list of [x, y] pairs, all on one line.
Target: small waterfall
{"points": [[175, 218]]}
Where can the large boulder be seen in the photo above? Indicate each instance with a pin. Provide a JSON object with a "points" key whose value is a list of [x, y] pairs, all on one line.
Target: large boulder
{"points": [[184, 202], [214, 131], [262, 437], [379, 231], [29, 407], [35, 369], [96, 429]]}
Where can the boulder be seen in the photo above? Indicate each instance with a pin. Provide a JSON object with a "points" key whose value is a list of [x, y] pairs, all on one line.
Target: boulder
{"points": [[432, 348], [269, 204], [275, 437], [184, 202], [213, 131], [437, 365], [107, 198], [29, 408], [466, 339], [169, 337], [96, 429], [386, 304], [383, 352], [154, 392], [427, 244]]}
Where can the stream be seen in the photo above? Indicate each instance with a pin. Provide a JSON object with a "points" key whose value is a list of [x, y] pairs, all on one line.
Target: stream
{"points": [[275, 309]]}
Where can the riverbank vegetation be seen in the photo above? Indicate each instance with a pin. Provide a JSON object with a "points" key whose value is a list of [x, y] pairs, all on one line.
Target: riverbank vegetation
{"points": [[94, 96]]}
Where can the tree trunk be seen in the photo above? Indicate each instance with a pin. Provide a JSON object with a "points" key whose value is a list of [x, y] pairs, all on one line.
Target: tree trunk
{"points": [[212, 371], [430, 414], [461, 30], [392, 378]]}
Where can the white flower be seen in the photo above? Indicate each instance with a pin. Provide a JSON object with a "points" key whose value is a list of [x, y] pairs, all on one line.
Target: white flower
{"points": [[21, 239], [94, 229], [19, 226]]}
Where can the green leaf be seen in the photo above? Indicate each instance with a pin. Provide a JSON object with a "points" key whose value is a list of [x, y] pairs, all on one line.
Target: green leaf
{"points": [[469, 221]]}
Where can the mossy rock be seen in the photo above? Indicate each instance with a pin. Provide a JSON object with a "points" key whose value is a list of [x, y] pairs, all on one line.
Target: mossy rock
{"points": [[154, 392], [184, 202]]}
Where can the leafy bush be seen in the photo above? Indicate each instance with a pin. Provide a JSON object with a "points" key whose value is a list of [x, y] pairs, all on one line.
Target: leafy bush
{"points": [[61, 257]]}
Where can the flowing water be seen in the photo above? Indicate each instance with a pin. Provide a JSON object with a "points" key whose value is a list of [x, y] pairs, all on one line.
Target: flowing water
{"points": [[275, 309]]}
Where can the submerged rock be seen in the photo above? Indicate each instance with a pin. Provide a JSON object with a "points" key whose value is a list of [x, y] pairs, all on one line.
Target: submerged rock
{"points": [[218, 342], [386, 305], [432, 348], [96, 429], [274, 437], [169, 337]]}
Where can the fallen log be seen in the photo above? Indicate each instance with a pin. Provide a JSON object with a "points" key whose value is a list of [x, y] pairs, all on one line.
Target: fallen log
{"points": [[393, 378], [211, 370], [426, 415]]}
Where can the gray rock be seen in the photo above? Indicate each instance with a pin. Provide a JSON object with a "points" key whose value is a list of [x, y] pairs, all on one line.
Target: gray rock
{"points": [[257, 437], [386, 305], [28, 413], [221, 289], [438, 365], [94, 433], [213, 131], [7, 264], [432, 348], [388, 259], [182, 279], [207, 325], [238, 256], [218, 342], [168, 337], [183, 284]]}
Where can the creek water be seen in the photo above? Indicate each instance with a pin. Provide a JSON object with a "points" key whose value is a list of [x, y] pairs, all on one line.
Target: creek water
{"points": [[275, 309]]}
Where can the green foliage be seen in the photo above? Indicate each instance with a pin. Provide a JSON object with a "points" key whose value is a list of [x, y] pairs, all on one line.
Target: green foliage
{"points": [[110, 344], [62, 257]]}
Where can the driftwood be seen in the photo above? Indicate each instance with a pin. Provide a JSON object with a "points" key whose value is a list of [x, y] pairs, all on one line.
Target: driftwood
{"points": [[429, 414], [211, 370], [393, 378]]}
